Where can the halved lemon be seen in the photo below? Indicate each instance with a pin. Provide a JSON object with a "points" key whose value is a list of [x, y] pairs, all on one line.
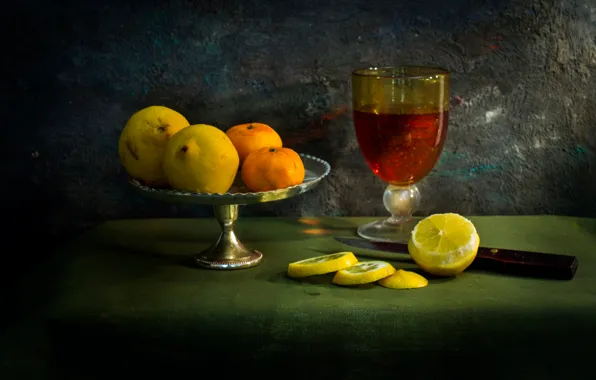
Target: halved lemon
{"points": [[321, 264], [444, 244], [404, 279], [363, 273]]}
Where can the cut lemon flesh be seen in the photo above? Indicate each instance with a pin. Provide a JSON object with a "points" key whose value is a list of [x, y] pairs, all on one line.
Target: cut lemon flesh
{"points": [[444, 244], [363, 273], [403, 279], [321, 264]]}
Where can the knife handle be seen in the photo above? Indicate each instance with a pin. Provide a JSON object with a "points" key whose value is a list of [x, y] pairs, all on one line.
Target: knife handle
{"points": [[529, 264]]}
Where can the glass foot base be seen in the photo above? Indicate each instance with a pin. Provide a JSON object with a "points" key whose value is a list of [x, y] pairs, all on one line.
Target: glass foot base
{"points": [[390, 230]]}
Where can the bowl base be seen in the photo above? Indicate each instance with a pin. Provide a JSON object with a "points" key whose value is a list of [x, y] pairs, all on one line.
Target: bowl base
{"points": [[251, 259]]}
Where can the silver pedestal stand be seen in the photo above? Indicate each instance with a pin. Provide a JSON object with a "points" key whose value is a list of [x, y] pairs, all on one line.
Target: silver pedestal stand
{"points": [[228, 252]]}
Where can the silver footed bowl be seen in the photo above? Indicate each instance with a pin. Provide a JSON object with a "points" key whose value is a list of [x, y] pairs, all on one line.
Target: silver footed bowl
{"points": [[315, 170], [228, 252]]}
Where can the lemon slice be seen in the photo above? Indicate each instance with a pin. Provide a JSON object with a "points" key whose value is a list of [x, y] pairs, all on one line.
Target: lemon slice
{"points": [[444, 244], [363, 273], [403, 279], [321, 264]]}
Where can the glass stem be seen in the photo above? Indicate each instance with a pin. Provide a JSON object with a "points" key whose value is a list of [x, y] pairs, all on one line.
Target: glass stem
{"points": [[401, 202]]}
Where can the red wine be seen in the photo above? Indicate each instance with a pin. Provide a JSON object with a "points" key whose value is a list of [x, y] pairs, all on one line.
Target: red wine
{"points": [[401, 149]]}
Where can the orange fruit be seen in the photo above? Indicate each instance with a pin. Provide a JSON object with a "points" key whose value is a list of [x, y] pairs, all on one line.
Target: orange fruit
{"points": [[252, 136], [272, 168]]}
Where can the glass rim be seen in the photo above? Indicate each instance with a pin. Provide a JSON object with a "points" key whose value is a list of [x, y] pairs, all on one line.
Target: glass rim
{"points": [[368, 71]]}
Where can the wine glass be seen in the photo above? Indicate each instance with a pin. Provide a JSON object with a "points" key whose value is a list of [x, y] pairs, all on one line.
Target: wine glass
{"points": [[400, 118]]}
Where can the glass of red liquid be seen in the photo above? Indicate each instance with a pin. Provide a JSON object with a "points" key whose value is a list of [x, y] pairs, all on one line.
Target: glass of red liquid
{"points": [[400, 117]]}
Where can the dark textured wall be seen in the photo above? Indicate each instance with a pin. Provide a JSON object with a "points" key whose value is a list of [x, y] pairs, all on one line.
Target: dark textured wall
{"points": [[521, 139]]}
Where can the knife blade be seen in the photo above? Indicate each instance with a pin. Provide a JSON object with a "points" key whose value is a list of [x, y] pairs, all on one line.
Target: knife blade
{"points": [[506, 261]]}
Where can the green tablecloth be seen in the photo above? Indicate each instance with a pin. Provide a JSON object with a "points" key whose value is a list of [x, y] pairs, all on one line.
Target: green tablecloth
{"points": [[126, 294]]}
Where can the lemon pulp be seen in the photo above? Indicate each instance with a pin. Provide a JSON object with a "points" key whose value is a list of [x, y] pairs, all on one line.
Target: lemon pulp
{"points": [[444, 244], [321, 264], [403, 279], [363, 273]]}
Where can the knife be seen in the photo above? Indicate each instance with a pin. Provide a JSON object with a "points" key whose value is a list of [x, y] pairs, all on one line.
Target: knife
{"points": [[512, 262]]}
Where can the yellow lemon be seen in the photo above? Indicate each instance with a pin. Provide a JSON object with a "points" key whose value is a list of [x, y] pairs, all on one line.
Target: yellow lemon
{"points": [[200, 158], [363, 273], [403, 279], [444, 244], [321, 264], [142, 143]]}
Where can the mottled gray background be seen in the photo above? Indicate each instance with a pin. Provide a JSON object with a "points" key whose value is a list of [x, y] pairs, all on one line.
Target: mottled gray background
{"points": [[521, 140]]}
